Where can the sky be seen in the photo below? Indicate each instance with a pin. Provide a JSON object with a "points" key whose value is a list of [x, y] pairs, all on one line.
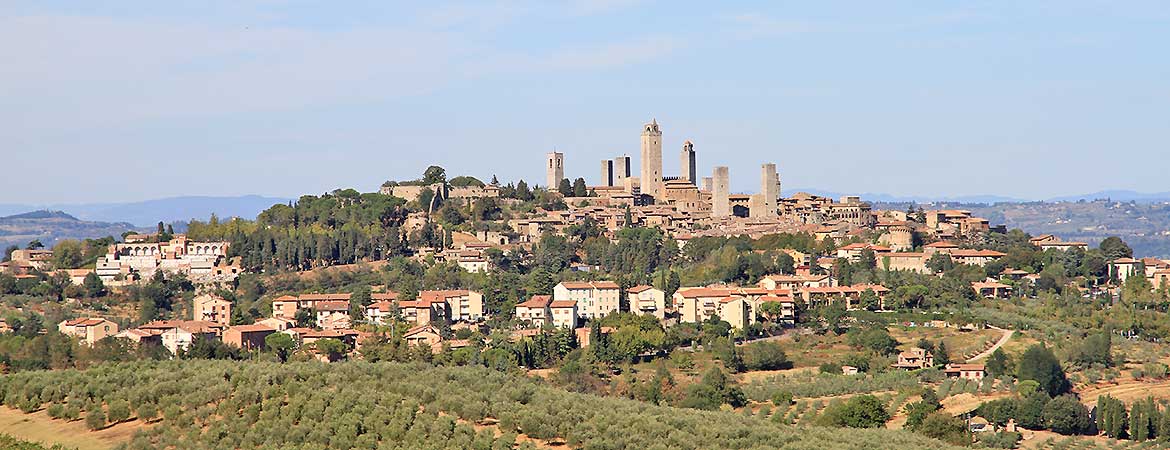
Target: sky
{"points": [[132, 100]]}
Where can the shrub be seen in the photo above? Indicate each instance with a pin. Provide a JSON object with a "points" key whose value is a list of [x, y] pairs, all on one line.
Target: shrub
{"points": [[1066, 415], [147, 412], [765, 356], [1002, 439], [119, 410], [782, 399], [946, 428], [56, 410], [862, 411], [95, 419]]}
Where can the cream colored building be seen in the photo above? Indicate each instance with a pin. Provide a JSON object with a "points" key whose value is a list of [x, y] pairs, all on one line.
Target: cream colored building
{"points": [[212, 308], [594, 299], [89, 329], [535, 311], [647, 300]]}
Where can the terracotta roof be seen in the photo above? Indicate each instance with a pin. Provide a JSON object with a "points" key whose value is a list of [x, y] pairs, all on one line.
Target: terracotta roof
{"points": [[967, 253], [589, 285], [421, 328], [640, 288], [332, 305], [384, 306], [380, 296], [537, 301], [84, 322], [941, 244], [979, 285], [250, 328], [563, 304], [963, 367], [772, 298]]}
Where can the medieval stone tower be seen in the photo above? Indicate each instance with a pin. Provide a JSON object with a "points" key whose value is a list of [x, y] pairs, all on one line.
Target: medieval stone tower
{"points": [[721, 192], [651, 179], [769, 189], [621, 170], [555, 172], [687, 167]]}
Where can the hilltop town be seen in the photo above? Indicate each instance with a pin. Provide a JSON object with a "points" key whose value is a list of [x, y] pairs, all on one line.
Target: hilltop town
{"points": [[790, 308]]}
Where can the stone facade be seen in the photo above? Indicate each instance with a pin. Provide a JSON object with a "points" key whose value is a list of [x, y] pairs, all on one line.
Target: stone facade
{"points": [[687, 163], [721, 192], [651, 177], [554, 170]]}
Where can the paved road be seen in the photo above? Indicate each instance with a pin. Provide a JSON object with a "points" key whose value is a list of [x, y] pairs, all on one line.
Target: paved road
{"points": [[1007, 335]]}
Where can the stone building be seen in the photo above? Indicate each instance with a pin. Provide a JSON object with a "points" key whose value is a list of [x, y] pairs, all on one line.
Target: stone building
{"points": [[651, 175], [621, 170], [721, 192], [687, 163], [555, 170]]}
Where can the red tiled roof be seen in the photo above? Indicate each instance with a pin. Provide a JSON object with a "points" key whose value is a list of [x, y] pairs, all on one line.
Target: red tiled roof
{"points": [[537, 301], [563, 304]]}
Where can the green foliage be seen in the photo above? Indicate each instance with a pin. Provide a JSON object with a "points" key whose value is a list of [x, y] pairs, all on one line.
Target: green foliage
{"points": [[219, 404], [875, 338], [946, 428], [118, 411], [1066, 415], [1112, 417], [1001, 439], [10, 443], [1094, 349], [280, 344], [1039, 364], [95, 418], [861, 411]]}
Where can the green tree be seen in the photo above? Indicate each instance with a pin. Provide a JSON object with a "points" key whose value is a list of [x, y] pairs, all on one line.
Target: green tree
{"points": [[147, 411], [861, 411], [1066, 415], [68, 254], [946, 428], [305, 318], [1113, 248], [281, 344], [564, 188], [1039, 364], [93, 285], [433, 175], [941, 356], [997, 364], [875, 339], [358, 301], [119, 410], [95, 418], [331, 348], [579, 189], [940, 263]]}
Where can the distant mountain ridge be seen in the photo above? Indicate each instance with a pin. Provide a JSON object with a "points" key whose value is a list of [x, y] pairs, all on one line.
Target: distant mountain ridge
{"points": [[149, 212], [52, 226], [1119, 195]]}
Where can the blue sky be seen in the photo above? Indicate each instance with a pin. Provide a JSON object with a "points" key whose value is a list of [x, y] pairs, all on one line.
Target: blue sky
{"points": [[119, 101]]}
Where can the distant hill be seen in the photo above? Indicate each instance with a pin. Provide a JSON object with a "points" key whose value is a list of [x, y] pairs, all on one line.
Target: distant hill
{"points": [[150, 212], [888, 198], [52, 226], [1118, 196]]}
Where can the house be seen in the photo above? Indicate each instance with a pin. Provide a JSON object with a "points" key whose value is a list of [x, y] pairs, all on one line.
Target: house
{"points": [[915, 358], [787, 314], [564, 313], [76, 276], [332, 313], [904, 261], [795, 282], [974, 372], [991, 289], [594, 298], [90, 329], [247, 337], [849, 294], [939, 247], [647, 300], [462, 305], [288, 305], [853, 252], [212, 308], [1123, 268], [535, 311], [277, 323], [734, 310], [975, 257], [422, 311], [1061, 245], [178, 335], [426, 335]]}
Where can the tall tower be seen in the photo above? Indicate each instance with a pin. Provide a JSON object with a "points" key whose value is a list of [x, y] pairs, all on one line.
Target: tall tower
{"points": [[769, 189], [607, 172], [621, 170], [688, 163], [555, 170], [651, 179], [721, 192], [707, 183]]}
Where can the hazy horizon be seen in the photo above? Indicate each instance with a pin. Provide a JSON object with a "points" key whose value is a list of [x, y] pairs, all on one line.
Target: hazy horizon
{"points": [[139, 100]]}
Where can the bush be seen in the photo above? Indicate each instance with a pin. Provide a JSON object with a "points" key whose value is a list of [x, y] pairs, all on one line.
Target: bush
{"points": [[765, 356], [782, 399], [119, 410], [862, 411], [147, 412], [56, 410], [1066, 415], [95, 419], [1002, 439], [946, 428]]}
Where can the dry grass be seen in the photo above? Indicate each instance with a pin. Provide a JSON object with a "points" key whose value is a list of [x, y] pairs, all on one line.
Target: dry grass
{"points": [[39, 427]]}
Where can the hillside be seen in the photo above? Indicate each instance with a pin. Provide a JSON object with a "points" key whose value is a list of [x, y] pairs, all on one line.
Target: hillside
{"points": [[52, 226], [216, 404], [1144, 226], [149, 212]]}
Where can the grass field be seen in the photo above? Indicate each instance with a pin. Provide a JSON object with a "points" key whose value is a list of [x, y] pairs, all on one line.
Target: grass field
{"points": [[39, 427]]}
